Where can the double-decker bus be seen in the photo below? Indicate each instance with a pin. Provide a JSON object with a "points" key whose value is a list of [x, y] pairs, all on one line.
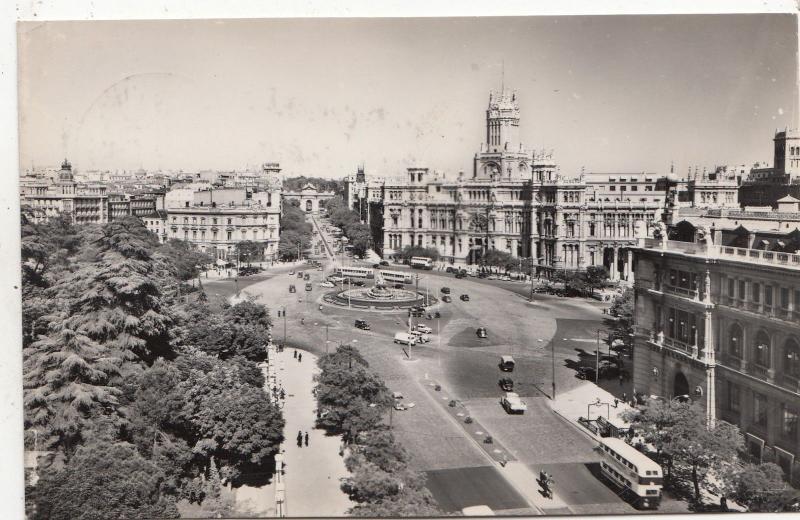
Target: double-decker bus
{"points": [[421, 262], [354, 272], [397, 277], [637, 475]]}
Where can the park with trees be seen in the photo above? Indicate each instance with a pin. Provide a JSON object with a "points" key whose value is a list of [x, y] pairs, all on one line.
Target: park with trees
{"points": [[353, 401], [142, 397], [295, 232], [359, 235]]}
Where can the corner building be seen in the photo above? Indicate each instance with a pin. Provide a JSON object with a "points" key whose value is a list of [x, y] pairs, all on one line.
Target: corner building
{"points": [[718, 321], [514, 201]]}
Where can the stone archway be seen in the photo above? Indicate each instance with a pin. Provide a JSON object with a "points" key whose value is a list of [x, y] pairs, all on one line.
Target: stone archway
{"points": [[309, 205], [680, 385]]}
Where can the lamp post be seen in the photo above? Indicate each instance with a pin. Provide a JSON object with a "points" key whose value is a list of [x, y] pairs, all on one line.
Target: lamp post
{"points": [[597, 360], [553, 357]]}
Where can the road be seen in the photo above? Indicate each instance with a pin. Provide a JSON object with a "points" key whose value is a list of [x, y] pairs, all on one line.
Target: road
{"points": [[460, 469]]}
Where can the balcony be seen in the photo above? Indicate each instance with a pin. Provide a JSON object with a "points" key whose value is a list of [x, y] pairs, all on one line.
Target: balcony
{"points": [[790, 382], [758, 371], [686, 348], [680, 291]]}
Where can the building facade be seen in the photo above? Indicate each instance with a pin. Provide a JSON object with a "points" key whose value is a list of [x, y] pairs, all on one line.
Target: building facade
{"points": [[717, 320], [216, 229], [52, 196], [309, 197], [515, 200]]}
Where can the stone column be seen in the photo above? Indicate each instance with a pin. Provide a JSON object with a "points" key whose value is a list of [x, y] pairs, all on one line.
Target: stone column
{"points": [[630, 265], [710, 360], [615, 265]]}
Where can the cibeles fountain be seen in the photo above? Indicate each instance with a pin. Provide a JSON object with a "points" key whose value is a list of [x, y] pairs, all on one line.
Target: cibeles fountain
{"points": [[379, 296]]}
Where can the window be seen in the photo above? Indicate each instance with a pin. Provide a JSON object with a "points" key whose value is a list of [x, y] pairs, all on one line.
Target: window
{"points": [[789, 428], [742, 287], [612, 188], [768, 296], [734, 397], [760, 410], [784, 298], [735, 344], [230, 221], [761, 349], [634, 188], [731, 287], [791, 354], [229, 235], [756, 292]]}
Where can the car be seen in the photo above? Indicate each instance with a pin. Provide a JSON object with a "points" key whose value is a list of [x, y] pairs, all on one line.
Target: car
{"points": [[397, 395], [449, 269], [336, 279], [512, 403], [299, 274], [424, 328], [460, 275], [291, 273], [421, 338], [417, 308], [357, 283], [446, 299], [400, 406], [307, 277], [481, 332], [376, 266], [437, 314], [308, 287], [445, 290], [587, 373], [319, 268], [492, 277], [465, 297], [362, 324], [383, 262], [292, 288], [398, 286], [327, 284], [507, 384]]}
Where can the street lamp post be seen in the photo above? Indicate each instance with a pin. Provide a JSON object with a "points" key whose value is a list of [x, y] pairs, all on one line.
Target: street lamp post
{"points": [[284, 325], [597, 360]]}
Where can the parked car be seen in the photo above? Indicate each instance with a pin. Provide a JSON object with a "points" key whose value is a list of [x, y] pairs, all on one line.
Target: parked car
{"points": [[506, 363], [383, 262], [465, 297], [327, 284], [292, 288], [507, 384], [306, 277], [513, 404], [481, 332], [586, 373], [291, 273], [461, 275], [362, 324], [398, 286], [449, 269], [446, 299], [424, 328], [421, 338], [299, 274], [445, 290], [357, 283], [308, 287], [492, 277]]}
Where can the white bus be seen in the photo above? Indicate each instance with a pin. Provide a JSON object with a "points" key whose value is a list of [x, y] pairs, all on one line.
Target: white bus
{"points": [[354, 272], [637, 475], [421, 262], [397, 277]]}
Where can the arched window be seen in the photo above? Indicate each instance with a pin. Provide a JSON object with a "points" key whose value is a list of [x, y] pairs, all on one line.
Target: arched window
{"points": [[761, 349], [791, 354], [735, 336]]}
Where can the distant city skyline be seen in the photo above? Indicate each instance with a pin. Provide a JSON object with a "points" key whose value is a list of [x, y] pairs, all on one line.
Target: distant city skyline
{"points": [[614, 93]]}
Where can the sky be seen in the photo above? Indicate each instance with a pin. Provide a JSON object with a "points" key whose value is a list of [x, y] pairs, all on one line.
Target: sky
{"points": [[321, 96]]}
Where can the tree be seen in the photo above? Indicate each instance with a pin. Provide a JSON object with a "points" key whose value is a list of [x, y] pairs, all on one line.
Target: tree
{"points": [[104, 480], [249, 251], [622, 309], [760, 487], [241, 329], [595, 277], [182, 258], [360, 238]]}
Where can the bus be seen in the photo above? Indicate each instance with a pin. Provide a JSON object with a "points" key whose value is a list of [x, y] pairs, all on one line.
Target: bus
{"points": [[637, 476], [421, 262], [397, 277], [354, 272]]}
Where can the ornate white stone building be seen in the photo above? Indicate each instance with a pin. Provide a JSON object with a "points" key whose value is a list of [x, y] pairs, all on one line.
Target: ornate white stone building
{"points": [[515, 200]]}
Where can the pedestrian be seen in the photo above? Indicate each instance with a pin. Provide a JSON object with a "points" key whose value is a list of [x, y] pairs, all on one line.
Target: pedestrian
{"points": [[306, 438], [295, 354], [616, 402], [299, 439], [621, 377], [300, 358], [624, 397]]}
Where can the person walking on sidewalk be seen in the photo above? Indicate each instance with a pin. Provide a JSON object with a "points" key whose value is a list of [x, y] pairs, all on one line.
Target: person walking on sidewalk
{"points": [[306, 438], [299, 358], [299, 439], [295, 353]]}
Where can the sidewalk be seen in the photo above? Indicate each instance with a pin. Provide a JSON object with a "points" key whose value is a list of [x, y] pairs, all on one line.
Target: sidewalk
{"points": [[573, 404], [313, 473]]}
